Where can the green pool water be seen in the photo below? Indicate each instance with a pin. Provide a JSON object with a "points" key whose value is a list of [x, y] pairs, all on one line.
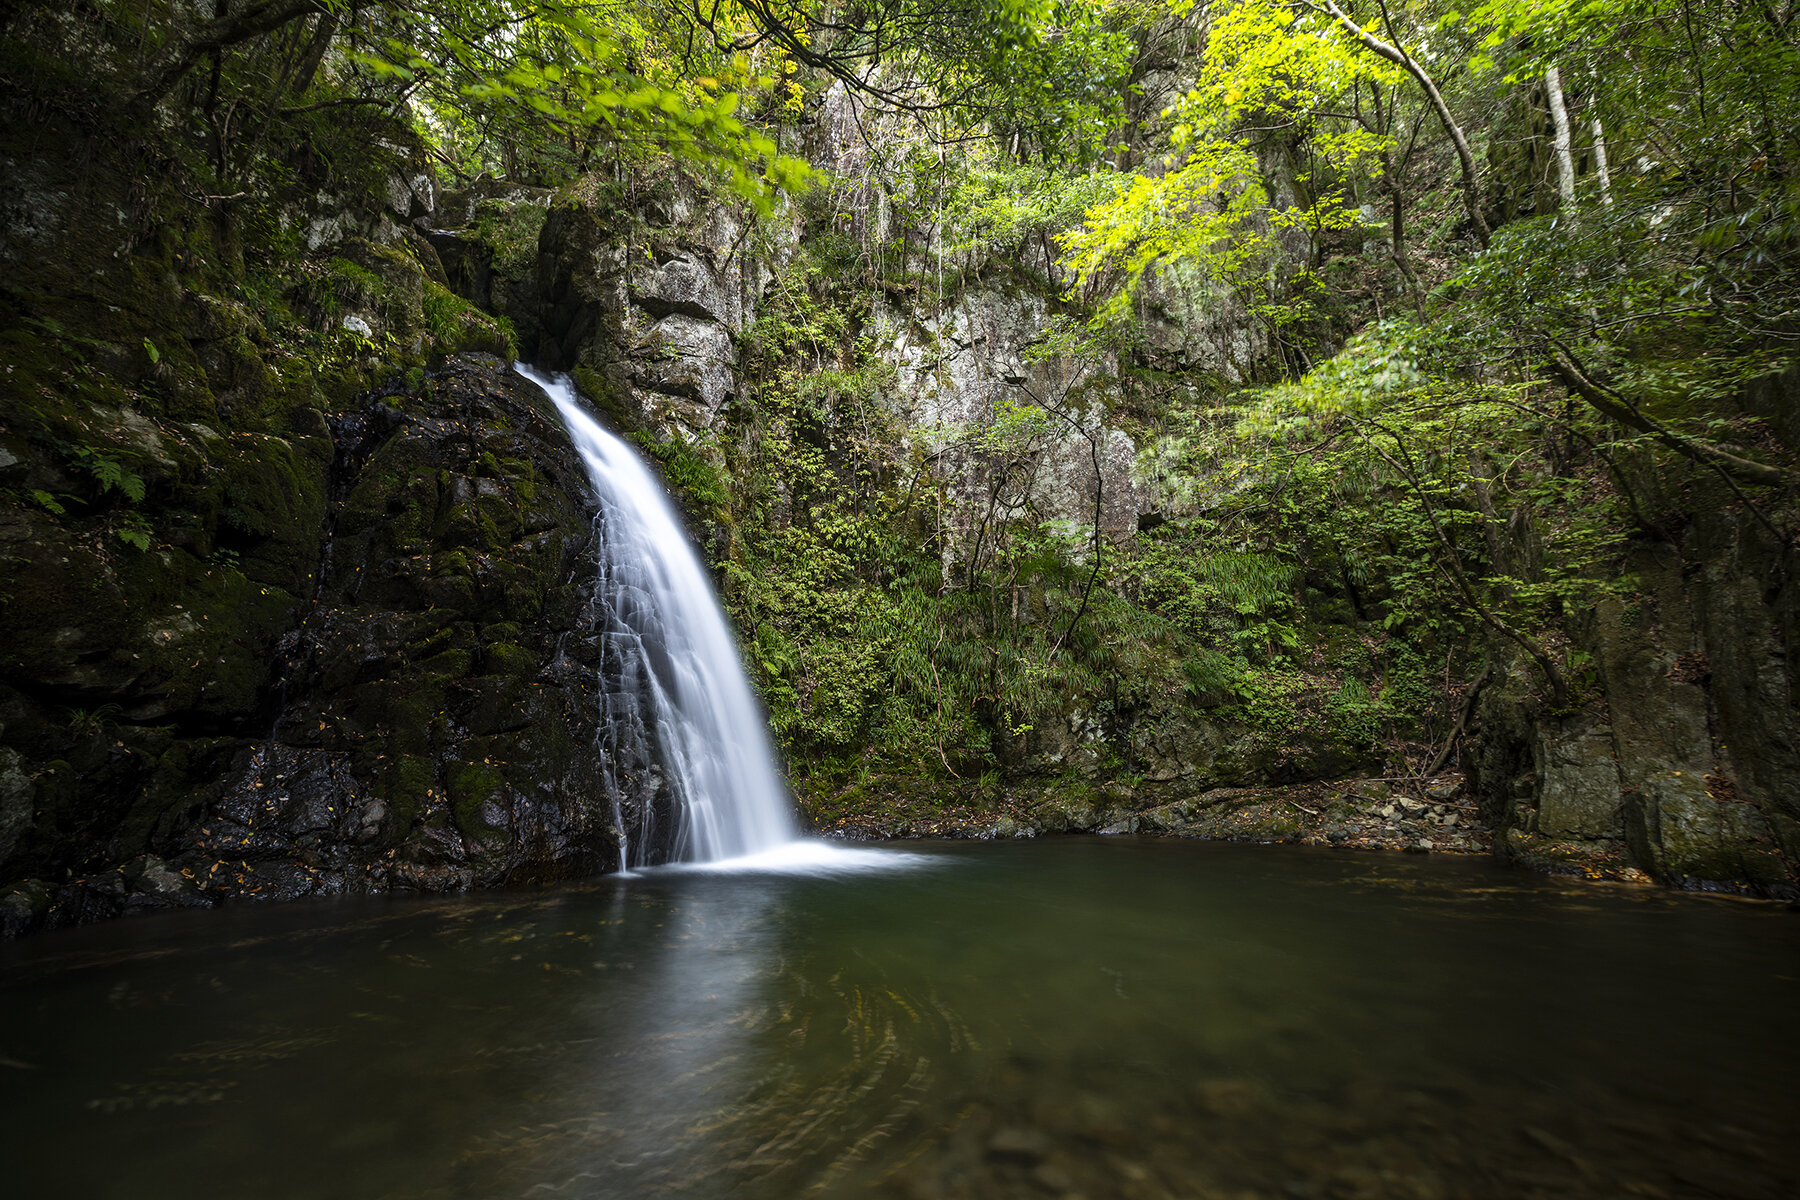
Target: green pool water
{"points": [[1095, 1017]]}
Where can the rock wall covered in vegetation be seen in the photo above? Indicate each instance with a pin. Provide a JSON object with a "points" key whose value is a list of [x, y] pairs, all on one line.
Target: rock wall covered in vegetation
{"points": [[282, 612], [294, 568], [1681, 762]]}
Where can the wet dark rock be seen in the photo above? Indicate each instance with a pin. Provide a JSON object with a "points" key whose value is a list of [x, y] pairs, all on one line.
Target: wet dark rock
{"points": [[153, 883], [16, 794], [23, 907], [433, 727]]}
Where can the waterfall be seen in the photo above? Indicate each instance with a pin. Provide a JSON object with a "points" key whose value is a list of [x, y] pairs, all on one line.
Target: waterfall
{"points": [[678, 710]]}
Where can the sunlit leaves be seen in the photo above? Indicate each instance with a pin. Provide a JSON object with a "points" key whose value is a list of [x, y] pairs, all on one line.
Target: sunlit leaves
{"points": [[548, 90], [1267, 73]]}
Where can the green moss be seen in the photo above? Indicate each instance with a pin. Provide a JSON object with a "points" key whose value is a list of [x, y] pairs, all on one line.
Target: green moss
{"points": [[456, 326], [596, 391], [504, 658], [442, 670], [349, 284], [471, 786], [511, 231], [272, 508], [407, 783]]}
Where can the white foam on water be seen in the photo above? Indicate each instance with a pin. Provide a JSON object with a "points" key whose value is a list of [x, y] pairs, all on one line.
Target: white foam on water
{"points": [[812, 856]]}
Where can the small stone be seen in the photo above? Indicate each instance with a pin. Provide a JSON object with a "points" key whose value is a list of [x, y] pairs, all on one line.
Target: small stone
{"points": [[1135, 1172], [369, 826], [1227, 1098], [23, 907], [153, 879], [1018, 1144]]}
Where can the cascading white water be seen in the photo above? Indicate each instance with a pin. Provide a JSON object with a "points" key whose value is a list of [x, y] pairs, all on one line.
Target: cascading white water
{"points": [[679, 705]]}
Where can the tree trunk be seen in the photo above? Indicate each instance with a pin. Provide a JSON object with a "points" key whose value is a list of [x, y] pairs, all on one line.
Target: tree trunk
{"points": [[1491, 525], [177, 59], [1471, 183], [1565, 146], [1604, 400], [1600, 168], [1390, 176]]}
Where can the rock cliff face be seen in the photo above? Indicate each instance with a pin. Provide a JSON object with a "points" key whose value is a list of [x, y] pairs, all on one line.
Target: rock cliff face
{"points": [[282, 613], [419, 714], [1676, 768], [1683, 763]]}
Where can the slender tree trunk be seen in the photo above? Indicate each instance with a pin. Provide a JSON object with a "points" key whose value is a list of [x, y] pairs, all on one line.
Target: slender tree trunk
{"points": [[177, 59], [1391, 177], [1471, 182], [1491, 526], [1564, 143], [1568, 369], [1600, 167]]}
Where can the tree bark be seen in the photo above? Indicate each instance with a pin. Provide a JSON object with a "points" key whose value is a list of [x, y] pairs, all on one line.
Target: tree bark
{"points": [[1491, 525], [1604, 400], [1564, 143], [1600, 167]]}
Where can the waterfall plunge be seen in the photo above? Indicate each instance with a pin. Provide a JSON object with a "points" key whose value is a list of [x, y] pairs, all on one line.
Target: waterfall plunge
{"points": [[680, 705]]}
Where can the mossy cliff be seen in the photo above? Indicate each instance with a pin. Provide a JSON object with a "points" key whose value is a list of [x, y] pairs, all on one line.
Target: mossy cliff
{"points": [[292, 571], [203, 512], [417, 715]]}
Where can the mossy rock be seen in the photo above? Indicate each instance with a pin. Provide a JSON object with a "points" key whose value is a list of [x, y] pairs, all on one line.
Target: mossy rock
{"points": [[505, 658], [479, 799]]}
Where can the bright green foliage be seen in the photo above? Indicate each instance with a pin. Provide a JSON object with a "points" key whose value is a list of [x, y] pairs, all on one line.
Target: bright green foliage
{"points": [[574, 85], [1234, 599], [110, 473], [688, 470], [1055, 76], [1691, 244], [993, 209], [1047, 77], [1213, 204]]}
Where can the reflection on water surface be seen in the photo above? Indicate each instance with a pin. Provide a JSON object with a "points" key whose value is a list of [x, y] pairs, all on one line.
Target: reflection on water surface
{"points": [[1083, 1017]]}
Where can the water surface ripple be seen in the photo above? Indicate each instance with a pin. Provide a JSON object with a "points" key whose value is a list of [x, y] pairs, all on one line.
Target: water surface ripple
{"points": [[1079, 1017]]}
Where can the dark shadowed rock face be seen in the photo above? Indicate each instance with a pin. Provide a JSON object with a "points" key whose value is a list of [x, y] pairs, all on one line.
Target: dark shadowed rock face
{"points": [[1683, 764], [426, 720]]}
